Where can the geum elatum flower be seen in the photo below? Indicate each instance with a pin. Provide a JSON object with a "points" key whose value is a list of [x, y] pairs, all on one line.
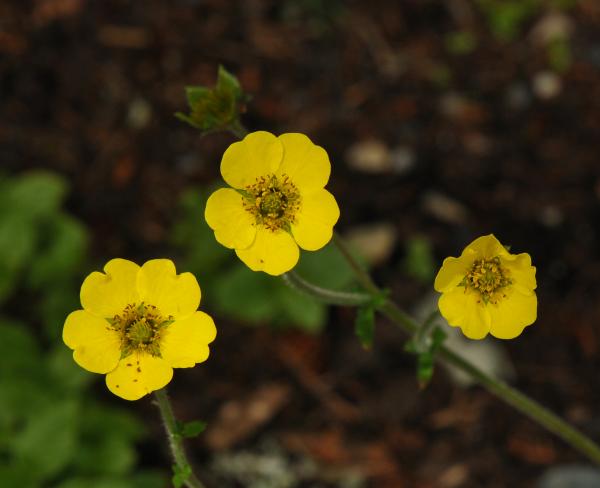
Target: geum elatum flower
{"points": [[137, 324], [277, 200], [487, 289]]}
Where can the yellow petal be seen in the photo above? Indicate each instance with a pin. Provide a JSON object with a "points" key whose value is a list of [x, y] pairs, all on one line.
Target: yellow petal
{"points": [[487, 247], [452, 272], [185, 342], [272, 252], [258, 154], [96, 345], [315, 220], [137, 375], [462, 310], [107, 294], [305, 163], [234, 226], [512, 314], [521, 273], [173, 294]]}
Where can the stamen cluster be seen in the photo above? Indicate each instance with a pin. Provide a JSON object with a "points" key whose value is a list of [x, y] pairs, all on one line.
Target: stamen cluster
{"points": [[488, 278], [140, 327], [273, 201]]}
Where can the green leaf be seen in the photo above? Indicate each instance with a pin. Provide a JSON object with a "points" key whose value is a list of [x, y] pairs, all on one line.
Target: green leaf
{"points": [[100, 419], [228, 84], [217, 108], [110, 454], [36, 193], [192, 429], [300, 310], [364, 325], [194, 94], [19, 352], [56, 424], [181, 475], [64, 244], [246, 295], [18, 237], [191, 234], [54, 306], [426, 348], [326, 267], [419, 262], [65, 374]]}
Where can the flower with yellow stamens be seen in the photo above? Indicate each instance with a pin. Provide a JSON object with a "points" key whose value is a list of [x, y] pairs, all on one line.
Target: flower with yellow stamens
{"points": [[137, 324], [487, 289], [277, 200]]}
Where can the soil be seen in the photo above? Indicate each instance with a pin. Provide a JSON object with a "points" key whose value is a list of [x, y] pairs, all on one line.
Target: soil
{"points": [[492, 140]]}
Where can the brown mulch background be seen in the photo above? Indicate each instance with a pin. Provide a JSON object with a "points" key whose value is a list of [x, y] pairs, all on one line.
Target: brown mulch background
{"points": [[89, 89]]}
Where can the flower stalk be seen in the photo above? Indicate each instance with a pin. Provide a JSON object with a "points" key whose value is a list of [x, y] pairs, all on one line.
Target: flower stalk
{"points": [[502, 390], [392, 311], [331, 297], [161, 399]]}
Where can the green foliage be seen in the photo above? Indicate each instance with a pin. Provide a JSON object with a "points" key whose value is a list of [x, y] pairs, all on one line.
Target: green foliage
{"points": [[507, 17], [53, 433], [40, 245], [51, 429], [425, 345], [559, 54], [245, 295], [217, 108], [418, 261], [191, 429], [180, 475], [364, 325], [461, 42]]}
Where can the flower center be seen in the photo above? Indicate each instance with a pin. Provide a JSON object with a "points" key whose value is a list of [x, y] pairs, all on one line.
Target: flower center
{"points": [[488, 278], [273, 201], [140, 327]]}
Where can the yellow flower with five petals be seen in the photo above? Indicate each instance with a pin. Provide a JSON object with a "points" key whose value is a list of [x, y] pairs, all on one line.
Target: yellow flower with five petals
{"points": [[137, 324], [487, 289], [277, 200]]}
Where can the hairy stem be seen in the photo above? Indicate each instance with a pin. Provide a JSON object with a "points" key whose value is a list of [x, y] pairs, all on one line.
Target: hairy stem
{"points": [[332, 297], [505, 392], [161, 399]]}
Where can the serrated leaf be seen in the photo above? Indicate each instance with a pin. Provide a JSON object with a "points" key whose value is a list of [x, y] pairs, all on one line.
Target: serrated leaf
{"points": [[364, 325]]}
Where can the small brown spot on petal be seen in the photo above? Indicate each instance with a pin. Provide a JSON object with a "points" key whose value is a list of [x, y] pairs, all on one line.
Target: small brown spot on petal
{"points": [[139, 370]]}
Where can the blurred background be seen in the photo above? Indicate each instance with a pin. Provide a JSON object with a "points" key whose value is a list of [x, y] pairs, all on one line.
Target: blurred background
{"points": [[443, 121]]}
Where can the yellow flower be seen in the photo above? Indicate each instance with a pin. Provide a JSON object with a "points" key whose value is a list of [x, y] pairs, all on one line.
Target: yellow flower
{"points": [[277, 201], [137, 324], [487, 289]]}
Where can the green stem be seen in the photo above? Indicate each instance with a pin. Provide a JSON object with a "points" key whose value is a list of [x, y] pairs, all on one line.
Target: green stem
{"points": [[238, 129], [324, 294], [505, 392], [175, 440], [508, 394]]}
